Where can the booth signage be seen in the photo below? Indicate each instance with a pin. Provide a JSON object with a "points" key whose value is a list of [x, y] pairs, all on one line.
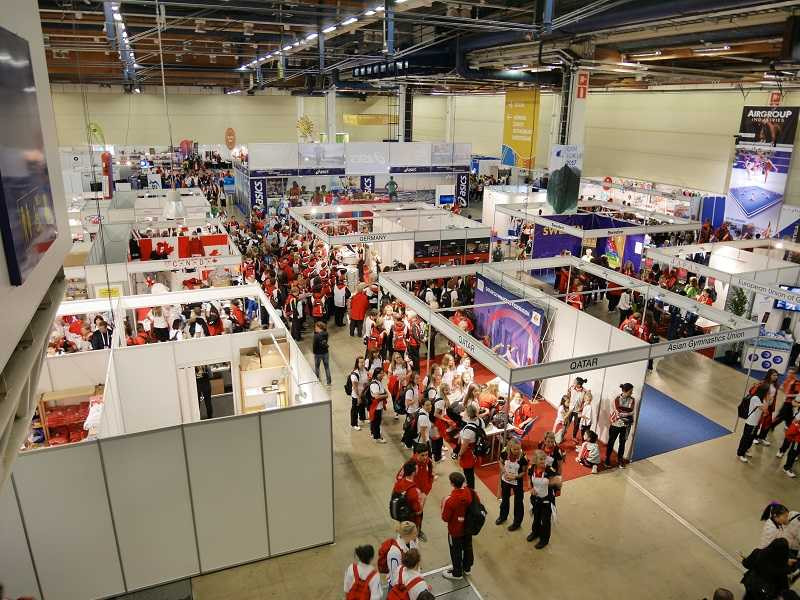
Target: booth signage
{"points": [[258, 187], [462, 188], [766, 290], [520, 125], [367, 184], [274, 173], [329, 171], [198, 262], [409, 169], [699, 342]]}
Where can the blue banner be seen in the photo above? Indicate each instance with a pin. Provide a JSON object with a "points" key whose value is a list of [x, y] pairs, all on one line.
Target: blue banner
{"points": [[367, 184], [462, 189], [258, 191]]}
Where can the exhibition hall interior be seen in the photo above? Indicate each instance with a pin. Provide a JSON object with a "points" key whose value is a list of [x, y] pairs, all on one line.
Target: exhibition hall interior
{"points": [[399, 299]]}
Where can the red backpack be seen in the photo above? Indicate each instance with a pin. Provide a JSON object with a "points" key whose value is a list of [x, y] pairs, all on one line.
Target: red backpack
{"points": [[360, 588], [383, 555], [399, 337], [793, 431], [400, 589], [316, 309]]}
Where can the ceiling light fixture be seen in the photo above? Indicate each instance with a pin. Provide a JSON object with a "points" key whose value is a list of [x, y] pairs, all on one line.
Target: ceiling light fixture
{"points": [[311, 36], [369, 13], [288, 47], [708, 50], [379, 8], [349, 21], [329, 29], [645, 54], [296, 44]]}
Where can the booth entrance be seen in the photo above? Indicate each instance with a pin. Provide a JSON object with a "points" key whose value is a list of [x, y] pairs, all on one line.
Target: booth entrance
{"points": [[536, 344]]}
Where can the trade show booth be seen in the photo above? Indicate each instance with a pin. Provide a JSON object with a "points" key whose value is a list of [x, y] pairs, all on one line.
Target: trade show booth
{"points": [[617, 232], [226, 494], [406, 233], [496, 195], [397, 171], [537, 343], [751, 278]]}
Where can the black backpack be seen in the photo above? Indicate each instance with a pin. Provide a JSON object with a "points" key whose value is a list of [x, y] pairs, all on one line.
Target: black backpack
{"points": [[475, 516], [445, 298], [743, 410], [399, 508], [482, 447], [348, 385], [410, 431]]}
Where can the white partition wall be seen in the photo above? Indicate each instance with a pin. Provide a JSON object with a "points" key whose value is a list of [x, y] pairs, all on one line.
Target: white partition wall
{"points": [[149, 491], [80, 369], [227, 475], [294, 488], [120, 514], [66, 511], [15, 556]]}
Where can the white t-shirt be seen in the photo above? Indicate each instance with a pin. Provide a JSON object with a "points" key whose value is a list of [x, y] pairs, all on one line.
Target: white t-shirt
{"points": [[394, 555], [624, 301], [375, 591], [575, 398], [754, 415], [376, 388], [467, 434], [423, 422], [159, 321], [467, 373], [447, 376], [412, 400], [355, 382]]}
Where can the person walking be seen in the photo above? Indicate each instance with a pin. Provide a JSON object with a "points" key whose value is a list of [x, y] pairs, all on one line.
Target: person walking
{"points": [[620, 423], [454, 511], [544, 481], [513, 466], [320, 348], [754, 411], [770, 381]]}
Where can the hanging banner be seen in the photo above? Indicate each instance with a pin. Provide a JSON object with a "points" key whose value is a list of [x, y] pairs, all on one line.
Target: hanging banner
{"points": [[566, 163], [519, 128], [462, 189], [367, 184], [258, 187], [760, 171]]}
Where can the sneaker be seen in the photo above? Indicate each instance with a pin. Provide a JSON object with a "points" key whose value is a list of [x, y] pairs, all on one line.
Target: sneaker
{"points": [[365, 422], [756, 442], [380, 441], [541, 544], [499, 521], [422, 537], [514, 526], [396, 417], [779, 454], [594, 470], [621, 465], [766, 443], [448, 574], [790, 473], [467, 572], [608, 463], [356, 428], [454, 456], [531, 537], [743, 459], [748, 454]]}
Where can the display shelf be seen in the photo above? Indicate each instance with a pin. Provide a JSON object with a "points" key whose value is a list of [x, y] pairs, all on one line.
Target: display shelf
{"points": [[61, 414]]}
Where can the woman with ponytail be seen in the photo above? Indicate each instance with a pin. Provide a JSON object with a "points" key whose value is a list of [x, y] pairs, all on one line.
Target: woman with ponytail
{"points": [[775, 517]]}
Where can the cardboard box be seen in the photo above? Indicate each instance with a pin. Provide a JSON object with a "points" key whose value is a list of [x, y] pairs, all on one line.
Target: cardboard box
{"points": [[249, 359], [217, 386]]}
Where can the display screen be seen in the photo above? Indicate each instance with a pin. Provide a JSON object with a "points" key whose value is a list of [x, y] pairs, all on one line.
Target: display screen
{"points": [[27, 217], [782, 304]]}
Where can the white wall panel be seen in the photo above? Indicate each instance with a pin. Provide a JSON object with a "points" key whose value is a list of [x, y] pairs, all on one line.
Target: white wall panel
{"points": [[44, 384], [272, 156], [78, 370], [16, 566], [298, 488], [228, 491], [147, 387], [410, 154], [149, 492], [65, 507]]}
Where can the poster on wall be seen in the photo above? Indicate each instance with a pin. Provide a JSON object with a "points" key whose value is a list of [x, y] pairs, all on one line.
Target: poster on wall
{"points": [[565, 165], [462, 189], [27, 215], [519, 128], [760, 170], [514, 331]]}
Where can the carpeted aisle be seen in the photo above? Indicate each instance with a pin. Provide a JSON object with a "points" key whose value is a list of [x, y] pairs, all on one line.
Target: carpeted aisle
{"points": [[666, 425]]}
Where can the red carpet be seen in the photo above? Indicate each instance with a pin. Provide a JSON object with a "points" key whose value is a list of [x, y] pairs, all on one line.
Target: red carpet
{"points": [[490, 475]]}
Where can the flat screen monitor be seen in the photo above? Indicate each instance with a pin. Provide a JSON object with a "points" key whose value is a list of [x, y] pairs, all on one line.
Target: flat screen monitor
{"points": [[783, 304]]}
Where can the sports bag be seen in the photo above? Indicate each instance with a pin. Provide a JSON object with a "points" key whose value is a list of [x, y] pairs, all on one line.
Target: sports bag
{"points": [[400, 589], [475, 516], [743, 410], [410, 431], [482, 447], [383, 555], [399, 507]]}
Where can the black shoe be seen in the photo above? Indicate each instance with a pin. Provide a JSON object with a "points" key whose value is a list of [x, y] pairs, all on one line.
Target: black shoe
{"points": [[607, 463], [499, 521], [540, 545], [531, 537], [513, 526]]}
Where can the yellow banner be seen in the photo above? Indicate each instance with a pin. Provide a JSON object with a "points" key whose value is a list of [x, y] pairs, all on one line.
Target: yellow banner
{"points": [[367, 119], [520, 128]]}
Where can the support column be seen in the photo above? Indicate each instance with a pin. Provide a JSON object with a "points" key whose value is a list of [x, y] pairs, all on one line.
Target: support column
{"points": [[321, 46], [330, 114], [579, 93], [450, 118], [401, 113], [388, 28]]}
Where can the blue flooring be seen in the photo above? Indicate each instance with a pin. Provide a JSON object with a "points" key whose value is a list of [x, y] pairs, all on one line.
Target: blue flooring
{"points": [[666, 424]]}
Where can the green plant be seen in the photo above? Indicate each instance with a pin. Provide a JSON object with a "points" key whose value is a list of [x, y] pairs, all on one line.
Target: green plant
{"points": [[737, 301]]}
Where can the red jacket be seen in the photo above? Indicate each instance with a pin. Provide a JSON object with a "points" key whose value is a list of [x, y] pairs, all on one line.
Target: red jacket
{"points": [[359, 304], [454, 509], [423, 478], [412, 493]]}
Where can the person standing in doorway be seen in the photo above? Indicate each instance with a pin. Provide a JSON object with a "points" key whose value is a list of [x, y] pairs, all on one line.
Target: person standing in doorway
{"points": [[754, 412], [203, 378], [620, 423], [320, 347], [454, 511], [578, 394]]}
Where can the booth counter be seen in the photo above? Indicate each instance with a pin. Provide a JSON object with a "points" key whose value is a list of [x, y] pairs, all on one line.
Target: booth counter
{"points": [[226, 494], [668, 199]]}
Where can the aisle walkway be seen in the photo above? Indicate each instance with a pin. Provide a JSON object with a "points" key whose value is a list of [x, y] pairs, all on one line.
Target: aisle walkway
{"points": [[666, 527]]}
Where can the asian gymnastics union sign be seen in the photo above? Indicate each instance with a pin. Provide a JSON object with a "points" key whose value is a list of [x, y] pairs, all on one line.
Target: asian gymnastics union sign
{"points": [[703, 341]]}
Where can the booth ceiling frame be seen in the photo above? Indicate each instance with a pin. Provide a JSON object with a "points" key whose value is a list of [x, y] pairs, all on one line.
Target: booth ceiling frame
{"points": [[672, 256], [740, 329], [671, 224], [304, 216]]}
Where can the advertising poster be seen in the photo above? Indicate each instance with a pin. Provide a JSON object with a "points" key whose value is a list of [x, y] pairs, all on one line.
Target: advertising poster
{"points": [[760, 170], [258, 189], [462, 189], [519, 128], [27, 216], [566, 163], [514, 331], [367, 184]]}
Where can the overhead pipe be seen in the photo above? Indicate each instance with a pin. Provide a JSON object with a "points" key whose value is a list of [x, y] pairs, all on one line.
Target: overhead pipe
{"points": [[463, 71]]}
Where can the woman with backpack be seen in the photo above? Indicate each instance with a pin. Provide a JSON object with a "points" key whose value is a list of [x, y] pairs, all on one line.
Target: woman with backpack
{"points": [[377, 403], [390, 553], [361, 579], [752, 417], [468, 438], [409, 584], [544, 482], [770, 381], [356, 382]]}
